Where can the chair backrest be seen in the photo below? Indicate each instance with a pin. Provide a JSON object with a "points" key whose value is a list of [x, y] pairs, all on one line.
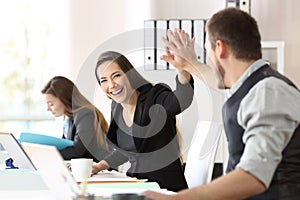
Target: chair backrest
{"points": [[202, 152]]}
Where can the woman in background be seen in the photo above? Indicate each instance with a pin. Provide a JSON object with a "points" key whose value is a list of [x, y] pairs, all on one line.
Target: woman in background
{"points": [[143, 121], [83, 122]]}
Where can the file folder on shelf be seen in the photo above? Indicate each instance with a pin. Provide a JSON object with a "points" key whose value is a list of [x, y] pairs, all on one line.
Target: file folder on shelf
{"points": [[199, 34], [161, 31], [149, 44], [172, 24], [186, 25], [155, 30], [232, 3]]}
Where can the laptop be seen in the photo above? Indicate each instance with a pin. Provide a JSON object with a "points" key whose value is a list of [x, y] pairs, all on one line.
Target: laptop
{"points": [[15, 151], [60, 181], [53, 169]]}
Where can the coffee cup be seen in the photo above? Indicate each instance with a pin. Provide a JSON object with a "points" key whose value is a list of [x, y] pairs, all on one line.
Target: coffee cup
{"points": [[81, 168]]}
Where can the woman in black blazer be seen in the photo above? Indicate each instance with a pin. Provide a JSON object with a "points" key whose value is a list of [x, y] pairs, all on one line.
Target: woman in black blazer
{"points": [[84, 123], [143, 121]]}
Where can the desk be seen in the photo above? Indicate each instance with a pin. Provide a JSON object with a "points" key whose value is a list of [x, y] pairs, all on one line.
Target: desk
{"points": [[18, 184], [23, 184], [26, 194]]}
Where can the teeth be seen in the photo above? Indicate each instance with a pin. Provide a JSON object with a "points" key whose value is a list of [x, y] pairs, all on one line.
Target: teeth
{"points": [[116, 91]]}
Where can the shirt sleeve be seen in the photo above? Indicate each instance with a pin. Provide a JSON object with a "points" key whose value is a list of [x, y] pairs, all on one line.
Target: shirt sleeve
{"points": [[85, 139], [269, 114], [178, 100], [115, 159]]}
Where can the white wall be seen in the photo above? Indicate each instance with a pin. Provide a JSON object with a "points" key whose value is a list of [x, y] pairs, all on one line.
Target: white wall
{"points": [[280, 20], [98, 25]]}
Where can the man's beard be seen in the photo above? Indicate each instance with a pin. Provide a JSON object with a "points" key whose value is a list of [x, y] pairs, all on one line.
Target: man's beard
{"points": [[220, 73]]}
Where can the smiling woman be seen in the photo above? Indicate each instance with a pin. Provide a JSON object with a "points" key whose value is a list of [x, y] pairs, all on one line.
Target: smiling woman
{"points": [[29, 37], [143, 126]]}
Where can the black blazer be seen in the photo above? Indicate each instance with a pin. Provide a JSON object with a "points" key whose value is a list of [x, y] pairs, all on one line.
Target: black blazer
{"points": [[82, 132], [154, 134]]}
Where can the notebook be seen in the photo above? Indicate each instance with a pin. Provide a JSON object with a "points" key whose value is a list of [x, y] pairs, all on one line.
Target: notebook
{"points": [[15, 151]]}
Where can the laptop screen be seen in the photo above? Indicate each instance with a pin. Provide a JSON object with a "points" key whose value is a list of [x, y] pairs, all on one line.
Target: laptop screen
{"points": [[53, 169], [11, 145]]}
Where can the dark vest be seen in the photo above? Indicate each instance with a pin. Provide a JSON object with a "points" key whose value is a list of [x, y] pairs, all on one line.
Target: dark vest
{"points": [[287, 176]]}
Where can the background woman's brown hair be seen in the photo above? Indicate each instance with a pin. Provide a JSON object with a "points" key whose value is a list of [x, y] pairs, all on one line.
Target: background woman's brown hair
{"points": [[66, 91]]}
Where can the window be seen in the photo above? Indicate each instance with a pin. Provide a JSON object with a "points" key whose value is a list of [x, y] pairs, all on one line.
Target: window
{"points": [[33, 49]]}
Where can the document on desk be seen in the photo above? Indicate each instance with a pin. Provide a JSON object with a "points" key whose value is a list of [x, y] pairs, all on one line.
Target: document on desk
{"points": [[106, 183], [107, 190], [111, 176]]}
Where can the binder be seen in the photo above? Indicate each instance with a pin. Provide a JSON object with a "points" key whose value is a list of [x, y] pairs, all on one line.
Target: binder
{"points": [[161, 31], [172, 24], [244, 5], [186, 25], [231, 3], [149, 45], [199, 34], [154, 47]]}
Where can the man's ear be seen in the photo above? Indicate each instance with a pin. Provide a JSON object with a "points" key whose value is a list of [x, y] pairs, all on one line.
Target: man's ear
{"points": [[221, 49]]}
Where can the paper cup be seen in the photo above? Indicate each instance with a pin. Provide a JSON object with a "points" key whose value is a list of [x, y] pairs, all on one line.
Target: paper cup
{"points": [[81, 168]]}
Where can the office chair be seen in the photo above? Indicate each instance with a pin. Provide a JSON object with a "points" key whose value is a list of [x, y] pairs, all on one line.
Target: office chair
{"points": [[202, 152]]}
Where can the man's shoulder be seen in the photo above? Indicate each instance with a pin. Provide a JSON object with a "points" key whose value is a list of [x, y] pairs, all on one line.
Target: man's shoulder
{"points": [[274, 83]]}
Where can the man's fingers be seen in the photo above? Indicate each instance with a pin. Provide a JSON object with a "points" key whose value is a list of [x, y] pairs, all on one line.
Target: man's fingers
{"points": [[183, 38], [192, 42], [174, 37], [166, 58], [169, 44]]}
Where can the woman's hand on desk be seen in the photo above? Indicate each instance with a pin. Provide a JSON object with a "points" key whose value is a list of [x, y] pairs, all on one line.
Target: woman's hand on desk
{"points": [[100, 166]]}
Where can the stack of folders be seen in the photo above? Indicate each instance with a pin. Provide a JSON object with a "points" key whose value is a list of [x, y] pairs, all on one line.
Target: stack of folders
{"points": [[155, 30], [107, 183]]}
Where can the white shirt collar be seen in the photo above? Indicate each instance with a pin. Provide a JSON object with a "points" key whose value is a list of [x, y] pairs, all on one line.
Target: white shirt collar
{"points": [[255, 66]]}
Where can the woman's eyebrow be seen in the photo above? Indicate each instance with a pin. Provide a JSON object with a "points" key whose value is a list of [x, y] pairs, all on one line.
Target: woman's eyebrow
{"points": [[103, 77]]}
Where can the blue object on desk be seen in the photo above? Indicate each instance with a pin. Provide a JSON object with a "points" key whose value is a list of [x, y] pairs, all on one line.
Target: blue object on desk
{"points": [[59, 143], [9, 164]]}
